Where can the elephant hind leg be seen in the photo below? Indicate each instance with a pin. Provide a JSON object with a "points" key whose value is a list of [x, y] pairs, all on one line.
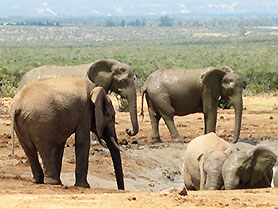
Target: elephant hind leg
{"points": [[32, 155], [59, 157], [48, 155], [155, 118]]}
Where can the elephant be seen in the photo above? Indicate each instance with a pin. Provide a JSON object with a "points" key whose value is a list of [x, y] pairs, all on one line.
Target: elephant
{"points": [[249, 169], [45, 112], [53, 71], [203, 161], [108, 73], [177, 92]]}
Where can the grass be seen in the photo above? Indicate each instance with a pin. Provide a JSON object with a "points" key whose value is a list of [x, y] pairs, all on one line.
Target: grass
{"points": [[145, 49]]}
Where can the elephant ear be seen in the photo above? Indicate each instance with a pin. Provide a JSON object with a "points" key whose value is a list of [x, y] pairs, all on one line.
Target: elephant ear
{"points": [[211, 81], [100, 73], [227, 69], [98, 98], [263, 161]]}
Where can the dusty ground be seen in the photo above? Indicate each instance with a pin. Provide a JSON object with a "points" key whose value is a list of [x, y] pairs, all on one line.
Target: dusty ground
{"points": [[148, 168]]}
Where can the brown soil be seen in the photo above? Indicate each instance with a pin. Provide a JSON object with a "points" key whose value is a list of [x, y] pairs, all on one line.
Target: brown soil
{"points": [[148, 168]]}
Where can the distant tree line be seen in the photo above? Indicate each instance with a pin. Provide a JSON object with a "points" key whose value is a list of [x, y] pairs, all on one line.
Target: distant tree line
{"points": [[163, 21]]}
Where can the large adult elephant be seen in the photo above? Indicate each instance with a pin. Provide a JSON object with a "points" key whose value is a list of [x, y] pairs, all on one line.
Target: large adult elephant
{"points": [[110, 74], [45, 112], [177, 91]]}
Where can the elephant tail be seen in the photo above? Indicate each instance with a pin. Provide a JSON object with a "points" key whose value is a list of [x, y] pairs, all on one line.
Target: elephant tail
{"points": [[142, 104], [13, 114]]}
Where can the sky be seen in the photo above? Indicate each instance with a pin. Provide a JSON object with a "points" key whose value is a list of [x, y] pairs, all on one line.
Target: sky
{"points": [[71, 8]]}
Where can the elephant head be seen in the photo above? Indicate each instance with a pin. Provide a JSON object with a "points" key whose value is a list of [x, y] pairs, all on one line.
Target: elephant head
{"points": [[227, 84], [211, 164], [117, 77], [104, 127], [251, 169]]}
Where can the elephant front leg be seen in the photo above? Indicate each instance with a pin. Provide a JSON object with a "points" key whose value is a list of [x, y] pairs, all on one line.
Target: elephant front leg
{"points": [[82, 147]]}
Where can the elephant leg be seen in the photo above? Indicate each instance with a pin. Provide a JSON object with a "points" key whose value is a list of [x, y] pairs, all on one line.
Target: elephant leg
{"points": [[82, 147], [172, 128], [59, 157], [169, 121], [155, 118], [31, 153], [32, 156], [49, 159]]}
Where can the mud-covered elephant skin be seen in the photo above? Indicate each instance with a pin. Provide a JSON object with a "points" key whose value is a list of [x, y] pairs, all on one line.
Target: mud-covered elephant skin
{"points": [[203, 161], [251, 169], [108, 73], [178, 92], [45, 112]]}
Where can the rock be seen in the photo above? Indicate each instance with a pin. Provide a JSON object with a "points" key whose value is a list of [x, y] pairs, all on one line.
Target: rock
{"points": [[182, 191]]}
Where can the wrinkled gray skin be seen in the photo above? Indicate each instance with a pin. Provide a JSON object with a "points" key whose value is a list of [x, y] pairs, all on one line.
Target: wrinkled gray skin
{"points": [[177, 91], [203, 161], [251, 169], [109, 74], [45, 112]]}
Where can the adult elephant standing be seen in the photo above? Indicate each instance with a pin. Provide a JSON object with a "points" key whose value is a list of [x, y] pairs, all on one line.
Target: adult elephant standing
{"points": [[45, 112], [177, 91], [110, 74]]}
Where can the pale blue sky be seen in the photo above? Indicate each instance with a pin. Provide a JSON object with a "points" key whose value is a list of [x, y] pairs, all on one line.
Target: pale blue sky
{"points": [[133, 7]]}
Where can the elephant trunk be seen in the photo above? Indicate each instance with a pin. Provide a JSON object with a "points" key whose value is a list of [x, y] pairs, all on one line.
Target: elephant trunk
{"points": [[230, 180], [238, 105], [117, 163], [132, 105], [214, 180]]}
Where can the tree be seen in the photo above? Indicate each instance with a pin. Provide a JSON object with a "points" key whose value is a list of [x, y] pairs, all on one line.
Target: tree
{"points": [[165, 21]]}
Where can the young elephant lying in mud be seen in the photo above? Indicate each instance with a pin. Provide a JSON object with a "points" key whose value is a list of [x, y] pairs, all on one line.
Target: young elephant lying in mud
{"points": [[211, 164]]}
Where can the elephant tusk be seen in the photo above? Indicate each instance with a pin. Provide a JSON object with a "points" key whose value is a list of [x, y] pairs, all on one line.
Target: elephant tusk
{"points": [[101, 142], [115, 143]]}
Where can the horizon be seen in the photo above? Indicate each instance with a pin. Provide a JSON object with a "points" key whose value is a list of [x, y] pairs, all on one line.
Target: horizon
{"points": [[132, 8]]}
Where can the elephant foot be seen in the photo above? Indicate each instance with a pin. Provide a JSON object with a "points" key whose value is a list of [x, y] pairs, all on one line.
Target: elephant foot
{"points": [[52, 181], [37, 180], [179, 139], [82, 184], [156, 140]]}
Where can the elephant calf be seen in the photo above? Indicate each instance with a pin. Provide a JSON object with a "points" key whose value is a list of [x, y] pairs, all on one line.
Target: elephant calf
{"points": [[45, 112], [249, 169], [203, 161], [211, 163]]}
